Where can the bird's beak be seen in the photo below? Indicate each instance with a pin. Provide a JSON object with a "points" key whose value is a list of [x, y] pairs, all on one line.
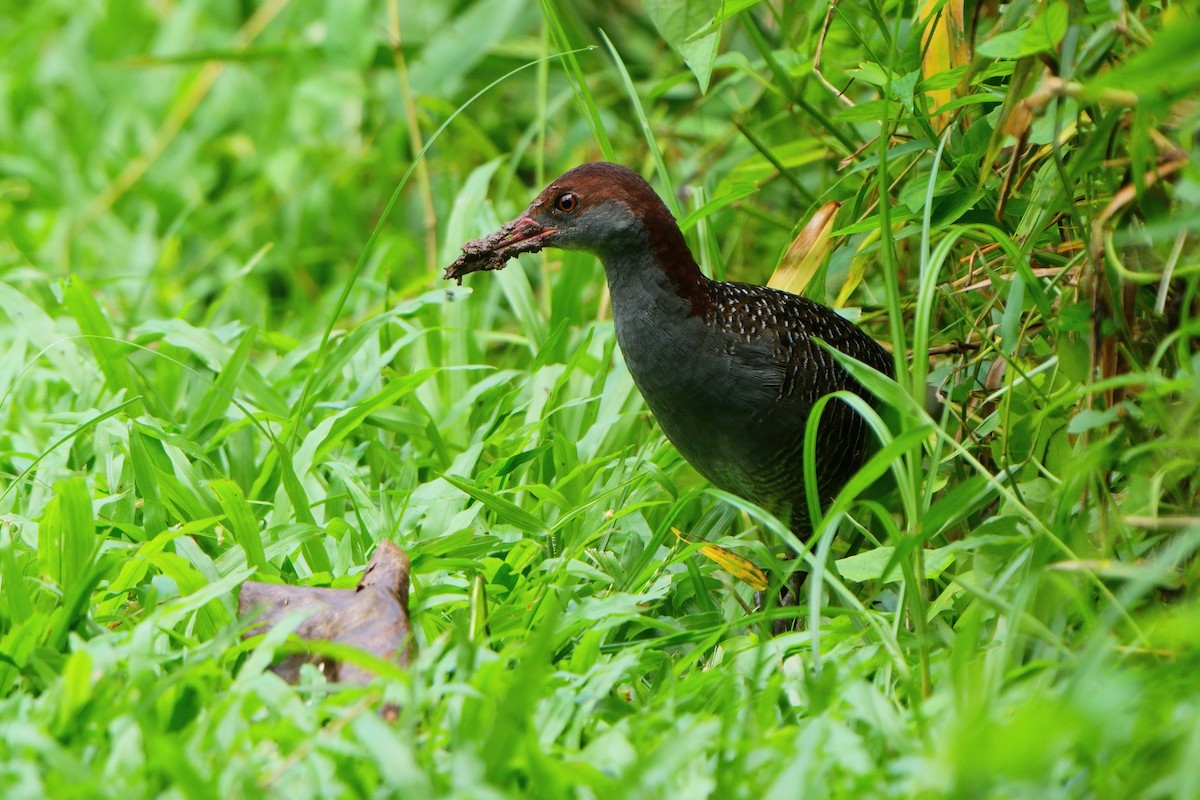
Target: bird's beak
{"points": [[521, 230], [522, 235]]}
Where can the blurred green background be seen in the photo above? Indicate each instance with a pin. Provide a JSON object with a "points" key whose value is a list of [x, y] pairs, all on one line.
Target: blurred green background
{"points": [[226, 350]]}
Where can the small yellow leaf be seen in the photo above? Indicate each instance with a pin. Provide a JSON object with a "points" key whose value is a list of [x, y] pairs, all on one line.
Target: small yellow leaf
{"points": [[741, 568], [806, 252]]}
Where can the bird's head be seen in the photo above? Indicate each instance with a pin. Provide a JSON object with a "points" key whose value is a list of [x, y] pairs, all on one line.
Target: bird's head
{"points": [[601, 208], [594, 207]]}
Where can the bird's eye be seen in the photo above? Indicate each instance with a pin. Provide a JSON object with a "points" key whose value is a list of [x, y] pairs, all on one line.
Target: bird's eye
{"points": [[567, 202]]}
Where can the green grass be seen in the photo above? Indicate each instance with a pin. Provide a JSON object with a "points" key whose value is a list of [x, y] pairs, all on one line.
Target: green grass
{"points": [[224, 352]]}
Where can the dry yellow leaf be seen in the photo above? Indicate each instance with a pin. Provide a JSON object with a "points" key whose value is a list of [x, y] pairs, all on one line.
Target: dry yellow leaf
{"points": [[741, 568], [945, 48], [806, 252]]}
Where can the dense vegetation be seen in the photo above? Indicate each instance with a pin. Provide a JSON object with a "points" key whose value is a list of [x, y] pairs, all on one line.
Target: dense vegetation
{"points": [[225, 350]]}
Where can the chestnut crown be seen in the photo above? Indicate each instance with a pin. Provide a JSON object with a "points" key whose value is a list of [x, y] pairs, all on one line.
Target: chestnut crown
{"points": [[611, 211]]}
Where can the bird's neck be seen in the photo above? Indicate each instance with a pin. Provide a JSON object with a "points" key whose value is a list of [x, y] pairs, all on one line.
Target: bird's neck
{"points": [[655, 272]]}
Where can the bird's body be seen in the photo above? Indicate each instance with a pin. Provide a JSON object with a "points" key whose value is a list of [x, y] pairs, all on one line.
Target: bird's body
{"points": [[730, 370], [732, 388]]}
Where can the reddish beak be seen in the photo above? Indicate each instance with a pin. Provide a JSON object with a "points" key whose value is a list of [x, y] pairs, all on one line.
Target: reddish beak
{"points": [[522, 235], [523, 229]]}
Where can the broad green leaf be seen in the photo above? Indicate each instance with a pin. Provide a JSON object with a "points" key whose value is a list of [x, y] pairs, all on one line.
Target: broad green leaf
{"points": [[463, 42], [241, 520], [110, 352], [218, 397], [505, 510], [1042, 34], [200, 342], [871, 564], [330, 433], [679, 21]]}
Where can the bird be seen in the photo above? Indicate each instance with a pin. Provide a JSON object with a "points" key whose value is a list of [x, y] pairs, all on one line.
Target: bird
{"points": [[731, 371]]}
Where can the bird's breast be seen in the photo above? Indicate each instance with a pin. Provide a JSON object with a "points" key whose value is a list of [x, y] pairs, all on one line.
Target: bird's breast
{"points": [[693, 378]]}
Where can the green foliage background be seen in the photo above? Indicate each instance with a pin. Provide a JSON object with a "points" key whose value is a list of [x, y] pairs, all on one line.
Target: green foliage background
{"points": [[226, 350]]}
